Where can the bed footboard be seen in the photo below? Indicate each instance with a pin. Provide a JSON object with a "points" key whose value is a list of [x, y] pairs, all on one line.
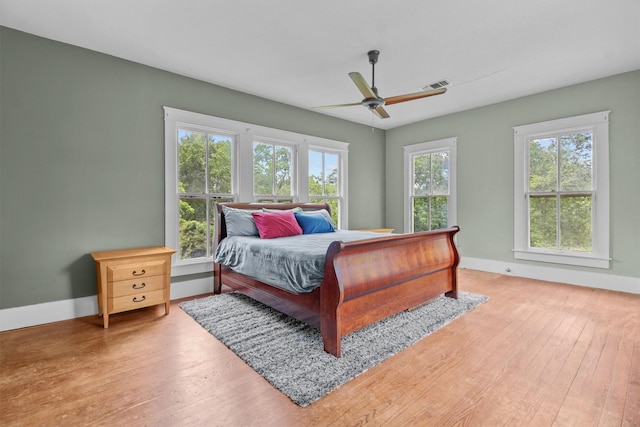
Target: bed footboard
{"points": [[366, 281]]}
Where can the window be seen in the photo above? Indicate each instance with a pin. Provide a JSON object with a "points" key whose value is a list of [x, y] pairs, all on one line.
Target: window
{"points": [[430, 183], [209, 160], [324, 180], [562, 191]]}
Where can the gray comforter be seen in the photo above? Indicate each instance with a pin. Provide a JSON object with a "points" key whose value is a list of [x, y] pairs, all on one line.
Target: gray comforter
{"points": [[294, 263]]}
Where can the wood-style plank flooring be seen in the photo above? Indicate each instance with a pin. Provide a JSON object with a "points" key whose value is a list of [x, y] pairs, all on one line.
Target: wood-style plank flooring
{"points": [[536, 354]]}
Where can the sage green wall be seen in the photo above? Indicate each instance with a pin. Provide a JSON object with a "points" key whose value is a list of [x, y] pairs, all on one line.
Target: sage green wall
{"points": [[485, 165], [82, 159]]}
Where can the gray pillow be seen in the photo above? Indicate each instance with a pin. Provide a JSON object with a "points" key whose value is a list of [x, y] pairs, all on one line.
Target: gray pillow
{"points": [[239, 222]]}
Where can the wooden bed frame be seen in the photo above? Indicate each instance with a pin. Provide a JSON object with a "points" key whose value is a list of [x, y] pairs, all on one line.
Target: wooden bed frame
{"points": [[364, 281]]}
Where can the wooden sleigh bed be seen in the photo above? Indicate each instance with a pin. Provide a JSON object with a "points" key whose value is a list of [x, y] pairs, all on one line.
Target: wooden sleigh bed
{"points": [[364, 281]]}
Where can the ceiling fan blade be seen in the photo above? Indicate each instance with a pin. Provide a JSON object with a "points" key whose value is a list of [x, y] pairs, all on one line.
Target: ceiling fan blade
{"points": [[362, 85], [380, 112], [411, 96], [338, 105]]}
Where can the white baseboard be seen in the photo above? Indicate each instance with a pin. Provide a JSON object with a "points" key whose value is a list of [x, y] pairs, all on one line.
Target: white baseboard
{"points": [[55, 311], [552, 274]]}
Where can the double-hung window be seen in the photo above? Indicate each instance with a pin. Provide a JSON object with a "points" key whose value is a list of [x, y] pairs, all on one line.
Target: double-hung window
{"points": [[430, 185], [562, 191], [210, 159]]}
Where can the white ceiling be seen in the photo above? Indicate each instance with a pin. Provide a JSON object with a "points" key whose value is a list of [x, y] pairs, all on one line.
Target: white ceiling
{"points": [[299, 52]]}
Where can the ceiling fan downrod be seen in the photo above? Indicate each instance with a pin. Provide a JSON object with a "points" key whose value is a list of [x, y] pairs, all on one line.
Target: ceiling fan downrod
{"points": [[373, 59], [373, 103]]}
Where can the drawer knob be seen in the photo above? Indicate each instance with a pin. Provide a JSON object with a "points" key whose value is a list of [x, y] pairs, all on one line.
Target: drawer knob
{"points": [[135, 273], [135, 286], [135, 299]]}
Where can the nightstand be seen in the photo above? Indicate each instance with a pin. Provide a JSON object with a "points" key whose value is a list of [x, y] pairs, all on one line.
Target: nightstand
{"points": [[133, 278]]}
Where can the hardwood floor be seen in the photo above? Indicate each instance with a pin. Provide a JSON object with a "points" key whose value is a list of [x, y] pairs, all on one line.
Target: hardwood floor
{"points": [[536, 354]]}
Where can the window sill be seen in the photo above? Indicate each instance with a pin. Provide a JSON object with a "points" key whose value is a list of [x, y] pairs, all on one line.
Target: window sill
{"points": [[563, 258], [192, 267]]}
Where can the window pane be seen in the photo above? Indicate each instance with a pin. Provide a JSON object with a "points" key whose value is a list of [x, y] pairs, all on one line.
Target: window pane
{"points": [[263, 168], [575, 223], [283, 171], [576, 161], [315, 185], [542, 217], [193, 228], [439, 211], [331, 174], [430, 213], [272, 169], [543, 166], [333, 204], [421, 175], [335, 210], [220, 164], [191, 162], [323, 173], [440, 173], [420, 214], [316, 180]]}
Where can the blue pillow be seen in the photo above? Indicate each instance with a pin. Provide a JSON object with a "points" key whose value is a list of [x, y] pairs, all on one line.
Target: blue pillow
{"points": [[313, 223]]}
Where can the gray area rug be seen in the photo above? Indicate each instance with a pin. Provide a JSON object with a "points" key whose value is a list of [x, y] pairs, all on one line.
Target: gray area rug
{"points": [[289, 354]]}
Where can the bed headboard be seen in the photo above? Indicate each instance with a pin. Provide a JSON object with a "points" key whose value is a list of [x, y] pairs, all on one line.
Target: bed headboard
{"points": [[221, 225]]}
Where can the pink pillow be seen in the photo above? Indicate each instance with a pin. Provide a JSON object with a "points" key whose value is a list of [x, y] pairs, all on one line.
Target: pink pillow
{"points": [[276, 224]]}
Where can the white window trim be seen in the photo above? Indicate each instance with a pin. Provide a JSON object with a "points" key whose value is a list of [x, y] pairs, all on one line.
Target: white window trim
{"points": [[599, 257], [447, 144], [246, 134]]}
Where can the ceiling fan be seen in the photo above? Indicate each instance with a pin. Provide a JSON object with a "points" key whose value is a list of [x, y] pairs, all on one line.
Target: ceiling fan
{"points": [[372, 100]]}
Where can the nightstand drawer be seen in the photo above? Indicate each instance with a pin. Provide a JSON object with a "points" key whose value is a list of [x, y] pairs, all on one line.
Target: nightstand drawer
{"points": [[136, 271], [136, 286], [131, 302]]}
